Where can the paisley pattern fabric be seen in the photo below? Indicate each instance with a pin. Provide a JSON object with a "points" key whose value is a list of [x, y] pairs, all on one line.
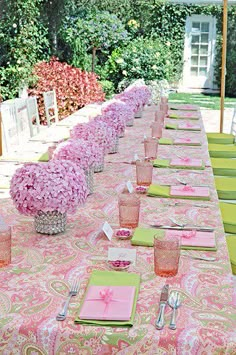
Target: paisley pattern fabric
{"points": [[34, 287]]}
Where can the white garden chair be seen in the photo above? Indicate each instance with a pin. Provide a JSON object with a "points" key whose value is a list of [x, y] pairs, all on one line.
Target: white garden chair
{"points": [[33, 115], [50, 104]]}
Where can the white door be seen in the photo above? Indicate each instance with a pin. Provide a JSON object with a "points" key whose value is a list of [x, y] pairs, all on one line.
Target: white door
{"points": [[199, 52]]}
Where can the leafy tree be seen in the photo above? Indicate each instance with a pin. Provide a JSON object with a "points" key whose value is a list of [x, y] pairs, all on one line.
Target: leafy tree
{"points": [[96, 31], [23, 42]]}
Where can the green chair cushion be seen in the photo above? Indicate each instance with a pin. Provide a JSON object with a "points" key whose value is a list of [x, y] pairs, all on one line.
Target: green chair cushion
{"points": [[231, 244], [220, 138], [223, 166], [222, 150], [228, 214], [226, 187]]}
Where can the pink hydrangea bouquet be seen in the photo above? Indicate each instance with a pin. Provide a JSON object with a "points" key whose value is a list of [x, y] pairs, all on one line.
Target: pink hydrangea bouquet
{"points": [[44, 187], [84, 153], [96, 131], [117, 114], [137, 96]]}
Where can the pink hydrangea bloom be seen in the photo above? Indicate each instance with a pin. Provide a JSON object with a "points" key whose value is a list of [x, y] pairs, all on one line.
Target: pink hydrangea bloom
{"points": [[54, 186], [85, 153]]}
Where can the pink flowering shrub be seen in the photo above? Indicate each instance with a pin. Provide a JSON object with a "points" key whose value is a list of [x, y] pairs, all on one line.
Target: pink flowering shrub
{"points": [[54, 186], [74, 88], [84, 153]]}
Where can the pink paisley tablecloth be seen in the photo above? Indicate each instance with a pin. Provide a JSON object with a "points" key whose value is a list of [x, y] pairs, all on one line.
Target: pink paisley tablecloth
{"points": [[34, 287]]}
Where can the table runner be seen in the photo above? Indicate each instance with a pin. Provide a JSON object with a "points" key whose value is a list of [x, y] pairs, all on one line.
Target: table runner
{"points": [[34, 287]]}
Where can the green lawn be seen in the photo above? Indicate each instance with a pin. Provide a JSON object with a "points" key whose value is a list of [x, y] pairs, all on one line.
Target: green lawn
{"points": [[210, 101]]}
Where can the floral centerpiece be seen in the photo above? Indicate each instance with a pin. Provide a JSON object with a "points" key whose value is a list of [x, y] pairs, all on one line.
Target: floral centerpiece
{"points": [[48, 191], [111, 137], [137, 96], [119, 114], [81, 152], [96, 131]]}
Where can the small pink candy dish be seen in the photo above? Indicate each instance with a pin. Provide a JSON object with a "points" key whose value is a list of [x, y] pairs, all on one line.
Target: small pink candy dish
{"points": [[119, 264], [141, 189], [123, 233]]}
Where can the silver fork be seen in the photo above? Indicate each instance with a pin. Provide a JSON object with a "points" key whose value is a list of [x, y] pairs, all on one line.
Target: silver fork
{"points": [[174, 302], [73, 292]]}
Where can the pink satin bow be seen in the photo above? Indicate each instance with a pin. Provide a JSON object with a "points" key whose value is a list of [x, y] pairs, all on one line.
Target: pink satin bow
{"points": [[186, 160], [188, 234], [188, 188], [106, 295], [189, 124]]}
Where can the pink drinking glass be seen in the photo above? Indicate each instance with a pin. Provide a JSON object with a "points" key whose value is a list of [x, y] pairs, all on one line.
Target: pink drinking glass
{"points": [[164, 100], [144, 171], [5, 246], [166, 256], [159, 116], [150, 148], [51, 151], [157, 129], [129, 207], [164, 107]]}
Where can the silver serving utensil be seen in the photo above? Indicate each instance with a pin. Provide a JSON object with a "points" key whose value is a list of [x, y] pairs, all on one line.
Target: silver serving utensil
{"points": [[184, 225], [198, 257], [174, 302], [73, 292], [189, 228], [163, 300]]}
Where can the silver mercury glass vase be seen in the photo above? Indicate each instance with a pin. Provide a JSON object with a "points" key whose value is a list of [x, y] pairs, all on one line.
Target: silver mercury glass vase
{"points": [[51, 222], [89, 179], [130, 122], [99, 167], [115, 147]]}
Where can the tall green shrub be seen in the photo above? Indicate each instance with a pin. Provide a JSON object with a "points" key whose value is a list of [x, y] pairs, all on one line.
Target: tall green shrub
{"points": [[23, 42], [142, 58]]}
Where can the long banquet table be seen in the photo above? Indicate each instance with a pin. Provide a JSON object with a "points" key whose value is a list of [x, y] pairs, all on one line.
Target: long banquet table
{"points": [[34, 287]]}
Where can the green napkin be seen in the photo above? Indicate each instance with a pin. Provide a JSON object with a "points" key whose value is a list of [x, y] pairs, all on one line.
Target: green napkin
{"points": [[113, 278], [220, 138], [223, 166], [175, 126], [226, 187], [228, 213], [44, 157], [165, 163], [175, 116], [164, 191], [222, 150], [161, 163], [231, 244], [166, 141], [171, 126], [145, 237]]}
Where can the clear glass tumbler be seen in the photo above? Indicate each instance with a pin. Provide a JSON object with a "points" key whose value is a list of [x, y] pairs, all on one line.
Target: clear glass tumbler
{"points": [[160, 116], [166, 256], [5, 246], [129, 207], [157, 129], [150, 148], [144, 171]]}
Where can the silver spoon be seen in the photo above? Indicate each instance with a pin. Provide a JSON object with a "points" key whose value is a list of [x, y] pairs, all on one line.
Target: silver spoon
{"points": [[174, 302]]}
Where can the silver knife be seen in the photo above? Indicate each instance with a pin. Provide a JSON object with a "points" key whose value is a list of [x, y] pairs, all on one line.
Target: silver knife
{"points": [[163, 300], [198, 229]]}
